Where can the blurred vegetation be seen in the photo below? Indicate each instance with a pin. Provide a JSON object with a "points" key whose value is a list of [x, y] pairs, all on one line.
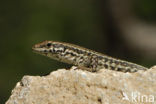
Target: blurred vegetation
{"points": [[146, 10], [86, 23]]}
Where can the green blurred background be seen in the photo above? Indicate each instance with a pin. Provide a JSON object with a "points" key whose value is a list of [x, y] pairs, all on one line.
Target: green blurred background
{"points": [[88, 23]]}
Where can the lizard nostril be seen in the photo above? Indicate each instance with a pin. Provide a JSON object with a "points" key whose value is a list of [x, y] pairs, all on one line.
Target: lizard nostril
{"points": [[36, 46]]}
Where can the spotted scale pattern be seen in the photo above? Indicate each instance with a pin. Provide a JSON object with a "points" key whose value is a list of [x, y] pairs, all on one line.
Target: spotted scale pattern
{"points": [[84, 58]]}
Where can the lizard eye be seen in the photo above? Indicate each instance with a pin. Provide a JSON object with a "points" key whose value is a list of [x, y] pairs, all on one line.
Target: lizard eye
{"points": [[48, 44]]}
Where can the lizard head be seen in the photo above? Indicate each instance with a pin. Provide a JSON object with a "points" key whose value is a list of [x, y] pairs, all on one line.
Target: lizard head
{"points": [[42, 47], [51, 49]]}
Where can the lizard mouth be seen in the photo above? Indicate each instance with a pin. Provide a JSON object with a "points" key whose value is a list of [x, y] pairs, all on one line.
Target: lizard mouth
{"points": [[36, 49], [39, 51]]}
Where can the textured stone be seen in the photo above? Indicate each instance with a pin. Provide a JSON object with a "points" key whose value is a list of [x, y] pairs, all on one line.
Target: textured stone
{"points": [[82, 87]]}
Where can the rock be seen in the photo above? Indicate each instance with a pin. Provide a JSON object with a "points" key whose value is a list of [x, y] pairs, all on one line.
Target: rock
{"points": [[82, 87]]}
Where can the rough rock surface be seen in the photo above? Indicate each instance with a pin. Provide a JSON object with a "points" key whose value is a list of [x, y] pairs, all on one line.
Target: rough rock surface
{"points": [[82, 87]]}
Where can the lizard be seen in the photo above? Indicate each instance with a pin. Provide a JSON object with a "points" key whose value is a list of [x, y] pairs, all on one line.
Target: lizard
{"points": [[84, 58]]}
